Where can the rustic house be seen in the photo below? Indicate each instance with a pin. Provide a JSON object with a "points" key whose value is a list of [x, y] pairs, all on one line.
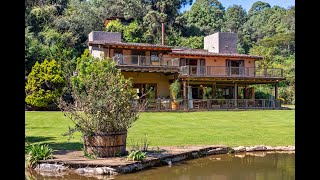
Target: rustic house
{"points": [[217, 68]]}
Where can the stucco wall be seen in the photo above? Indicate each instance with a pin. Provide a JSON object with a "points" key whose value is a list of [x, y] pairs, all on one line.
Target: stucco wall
{"points": [[221, 42], [96, 52], [160, 79]]}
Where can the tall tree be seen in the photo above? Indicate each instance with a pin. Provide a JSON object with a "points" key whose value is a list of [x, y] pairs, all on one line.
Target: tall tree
{"points": [[258, 7], [161, 11], [234, 17], [207, 15]]}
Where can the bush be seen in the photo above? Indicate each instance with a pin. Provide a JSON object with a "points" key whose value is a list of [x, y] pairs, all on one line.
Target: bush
{"points": [[45, 84], [36, 152], [102, 98], [262, 95]]}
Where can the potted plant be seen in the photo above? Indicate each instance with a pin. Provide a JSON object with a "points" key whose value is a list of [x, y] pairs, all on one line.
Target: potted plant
{"points": [[101, 107], [174, 91]]}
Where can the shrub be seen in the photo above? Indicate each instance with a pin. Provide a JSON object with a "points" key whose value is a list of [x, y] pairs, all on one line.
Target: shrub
{"points": [[174, 89], [36, 152], [136, 156], [45, 84], [262, 95], [102, 98], [207, 92]]}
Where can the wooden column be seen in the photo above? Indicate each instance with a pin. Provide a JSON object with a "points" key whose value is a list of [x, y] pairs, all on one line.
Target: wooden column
{"points": [[214, 88], [235, 94], [185, 102], [276, 95]]}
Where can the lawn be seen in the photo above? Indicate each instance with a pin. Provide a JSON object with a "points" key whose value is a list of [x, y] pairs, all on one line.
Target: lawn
{"points": [[232, 128]]}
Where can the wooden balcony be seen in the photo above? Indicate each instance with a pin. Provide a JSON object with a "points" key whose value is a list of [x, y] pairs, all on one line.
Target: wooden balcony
{"points": [[139, 60], [224, 71]]}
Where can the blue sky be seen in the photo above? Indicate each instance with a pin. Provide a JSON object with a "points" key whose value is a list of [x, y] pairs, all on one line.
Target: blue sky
{"points": [[246, 4]]}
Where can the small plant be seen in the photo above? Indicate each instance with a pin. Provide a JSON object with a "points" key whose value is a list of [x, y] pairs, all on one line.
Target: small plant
{"points": [[141, 144], [174, 89], [88, 155], [136, 156], [207, 93], [281, 99], [37, 152]]}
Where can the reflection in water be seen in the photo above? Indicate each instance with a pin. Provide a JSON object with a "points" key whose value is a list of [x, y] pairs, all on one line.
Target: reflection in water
{"points": [[249, 166]]}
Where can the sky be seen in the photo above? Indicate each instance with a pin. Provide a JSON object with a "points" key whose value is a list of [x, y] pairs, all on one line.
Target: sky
{"points": [[246, 4]]}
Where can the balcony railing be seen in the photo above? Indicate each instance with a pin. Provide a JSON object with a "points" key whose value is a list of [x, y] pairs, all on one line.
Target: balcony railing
{"points": [[138, 60], [224, 71], [207, 104]]}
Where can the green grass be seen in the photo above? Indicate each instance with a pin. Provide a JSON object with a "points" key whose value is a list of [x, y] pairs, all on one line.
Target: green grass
{"points": [[232, 128]]}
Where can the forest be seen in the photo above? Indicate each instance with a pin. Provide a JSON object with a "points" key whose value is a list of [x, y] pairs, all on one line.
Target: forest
{"points": [[56, 35]]}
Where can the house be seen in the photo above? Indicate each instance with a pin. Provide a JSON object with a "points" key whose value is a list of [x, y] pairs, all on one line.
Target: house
{"points": [[217, 67]]}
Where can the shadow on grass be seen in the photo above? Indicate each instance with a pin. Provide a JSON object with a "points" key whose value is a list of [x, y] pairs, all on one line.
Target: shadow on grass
{"points": [[35, 139], [66, 146], [54, 145]]}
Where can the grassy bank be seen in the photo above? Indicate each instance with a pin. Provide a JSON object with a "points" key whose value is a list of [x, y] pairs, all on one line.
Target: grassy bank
{"points": [[233, 128]]}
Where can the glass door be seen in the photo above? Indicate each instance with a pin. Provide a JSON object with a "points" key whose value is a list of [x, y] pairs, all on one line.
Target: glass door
{"points": [[235, 67]]}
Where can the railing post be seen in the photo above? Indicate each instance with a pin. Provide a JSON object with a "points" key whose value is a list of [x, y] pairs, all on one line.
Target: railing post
{"points": [[246, 103], [263, 103], [159, 104], [138, 60]]}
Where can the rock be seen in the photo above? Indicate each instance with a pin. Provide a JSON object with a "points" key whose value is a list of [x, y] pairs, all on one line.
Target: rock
{"points": [[80, 171], [108, 170], [270, 148], [285, 148], [239, 149], [256, 148], [99, 171], [51, 167]]}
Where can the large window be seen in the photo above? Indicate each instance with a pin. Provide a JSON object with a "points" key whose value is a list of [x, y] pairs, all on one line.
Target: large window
{"points": [[235, 67]]}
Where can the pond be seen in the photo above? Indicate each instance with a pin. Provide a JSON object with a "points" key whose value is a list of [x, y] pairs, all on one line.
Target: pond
{"points": [[242, 166]]}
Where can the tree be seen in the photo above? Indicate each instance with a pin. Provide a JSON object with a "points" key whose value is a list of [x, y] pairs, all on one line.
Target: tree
{"points": [[40, 16], [45, 83], [160, 11], [115, 26], [258, 7], [234, 17], [80, 18], [195, 42], [207, 15]]}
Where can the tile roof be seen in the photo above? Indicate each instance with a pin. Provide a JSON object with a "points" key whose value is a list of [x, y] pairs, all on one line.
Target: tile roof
{"points": [[101, 42], [201, 52]]}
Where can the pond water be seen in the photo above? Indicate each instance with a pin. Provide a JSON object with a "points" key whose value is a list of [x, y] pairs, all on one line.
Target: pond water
{"points": [[241, 166]]}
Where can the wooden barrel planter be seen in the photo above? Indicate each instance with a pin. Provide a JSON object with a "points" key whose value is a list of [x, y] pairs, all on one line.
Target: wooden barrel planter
{"points": [[105, 144]]}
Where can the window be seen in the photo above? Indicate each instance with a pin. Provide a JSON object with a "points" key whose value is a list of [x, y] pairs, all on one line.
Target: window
{"points": [[154, 56], [235, 67], [118, 55]]}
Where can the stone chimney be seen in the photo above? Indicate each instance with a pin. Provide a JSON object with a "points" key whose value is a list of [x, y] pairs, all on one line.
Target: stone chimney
{"points": [[221, 42]]}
